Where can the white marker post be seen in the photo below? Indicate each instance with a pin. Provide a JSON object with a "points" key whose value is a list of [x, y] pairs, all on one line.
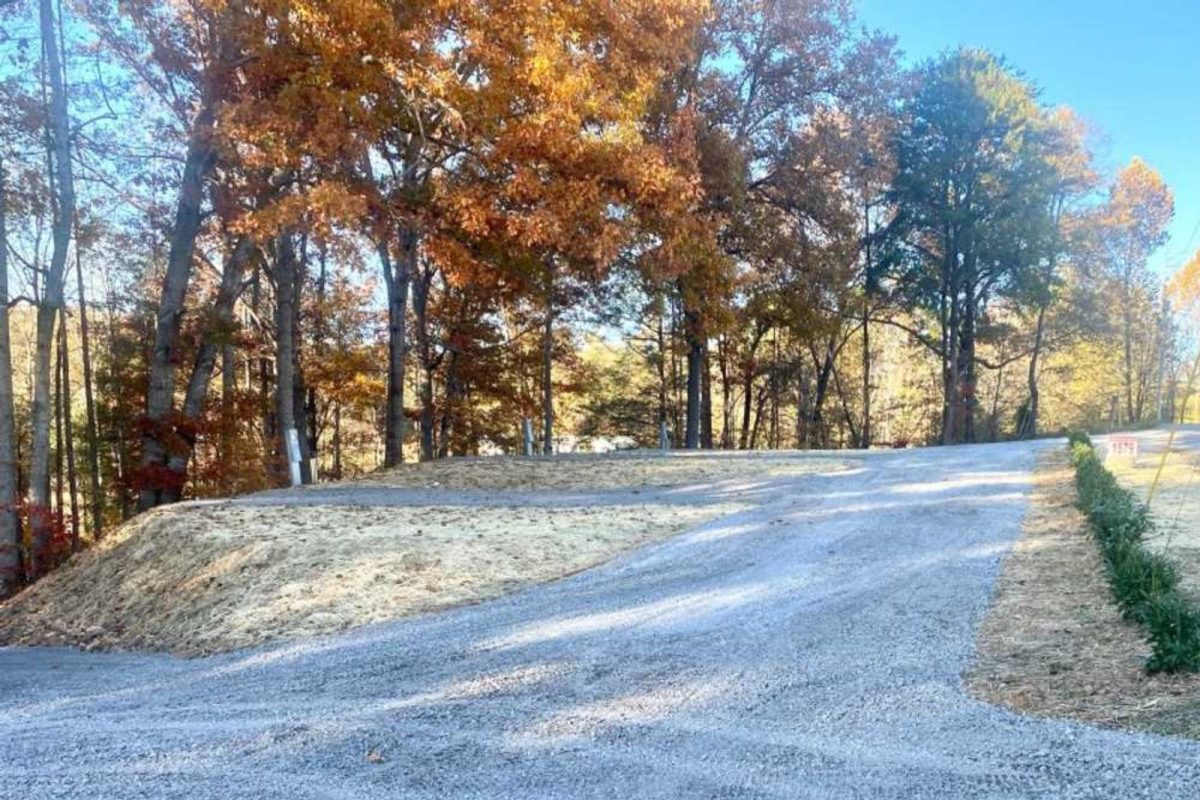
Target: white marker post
{"points": [[664, 438], [293, 449]]}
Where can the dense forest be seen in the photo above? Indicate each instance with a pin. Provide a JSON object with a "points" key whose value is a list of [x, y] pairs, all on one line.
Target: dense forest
{"points": [[415, 230]]}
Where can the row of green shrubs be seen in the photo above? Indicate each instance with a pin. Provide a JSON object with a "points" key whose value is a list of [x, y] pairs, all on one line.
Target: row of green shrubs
{"points": [[1144, 583]]}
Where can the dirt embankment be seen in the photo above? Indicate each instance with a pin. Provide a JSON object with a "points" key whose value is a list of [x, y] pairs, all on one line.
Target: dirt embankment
{"points": [[1053, 643], [205, 577]]}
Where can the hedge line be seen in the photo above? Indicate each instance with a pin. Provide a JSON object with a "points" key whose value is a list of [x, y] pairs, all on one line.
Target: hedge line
{"points": [[1144, 583]]}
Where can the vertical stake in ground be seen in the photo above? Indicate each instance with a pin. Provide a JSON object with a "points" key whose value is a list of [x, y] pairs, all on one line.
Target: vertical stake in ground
{"points": [[293, 449]]}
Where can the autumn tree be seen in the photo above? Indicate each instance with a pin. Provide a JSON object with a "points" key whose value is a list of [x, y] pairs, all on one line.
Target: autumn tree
{"points": [[969, 193], [1071, 180], [1131, 226]]}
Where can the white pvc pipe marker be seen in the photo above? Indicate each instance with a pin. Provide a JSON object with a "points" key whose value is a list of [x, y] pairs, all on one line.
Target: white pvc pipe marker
{"points": [[293, 449]]}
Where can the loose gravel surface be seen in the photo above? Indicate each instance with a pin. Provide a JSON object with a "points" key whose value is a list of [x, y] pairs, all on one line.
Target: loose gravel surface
{"points": [[810, 647]]}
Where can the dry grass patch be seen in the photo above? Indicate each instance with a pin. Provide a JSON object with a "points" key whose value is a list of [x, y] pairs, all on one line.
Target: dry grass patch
{"points": [[600, 473], [1053, 643], [1176, 506]]}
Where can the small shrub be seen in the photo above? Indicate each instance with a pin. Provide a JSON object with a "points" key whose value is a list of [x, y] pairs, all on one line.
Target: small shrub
{"points": [[1138, 578], [1078, 437], [1173, 626], [1144, 584]]}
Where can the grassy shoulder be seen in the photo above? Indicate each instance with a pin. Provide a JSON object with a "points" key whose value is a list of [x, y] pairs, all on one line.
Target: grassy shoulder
{"points": [[1055, 644], [1175, 509], [205, 577]]}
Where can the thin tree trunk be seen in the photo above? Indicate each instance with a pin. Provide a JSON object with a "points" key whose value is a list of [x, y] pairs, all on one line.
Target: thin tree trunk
{"points": [[849, 418], [773, 441], [160, 484], [337, 442], [749, 372], [968, 370], [420, 291], [63, 199], [450, 408], [951, 427], [96, 499], [678, 407], [994, 431], [1031, 416], [266, 415], [706, 404], [868, 292], [760, 402], [548, 371], [58, 424], [300, 414], [1127, 341], [724, 368], [284, 344], [661, 365], [69, 431], [816, 422], [10, 527]]}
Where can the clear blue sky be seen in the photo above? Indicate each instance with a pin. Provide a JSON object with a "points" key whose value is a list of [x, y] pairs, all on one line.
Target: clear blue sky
{"points": [[1132, 67]]}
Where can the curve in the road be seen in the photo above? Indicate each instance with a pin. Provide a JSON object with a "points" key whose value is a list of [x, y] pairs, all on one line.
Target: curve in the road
{"points": [[811, 647]]}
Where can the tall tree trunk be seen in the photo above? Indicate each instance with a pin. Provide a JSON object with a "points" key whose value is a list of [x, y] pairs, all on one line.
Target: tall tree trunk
{"points": [[548, 371], [10, 526], [396, 280], [63, 200], [300, 413], [816, 423], [96, 499], [725, 369], [1127, 341], [337, 442], [421, 289], [847, 416], [706, 404], [220, 328], [749, 372], [773, 439], [695, 363], [447, 444], [1030, 423], [679, 407], [265, 414], [58, 426], [661, 362], [868, 294], [951, 368], [160, 483], [285, 342], [968, 369], [228, 388], [760, 403]]}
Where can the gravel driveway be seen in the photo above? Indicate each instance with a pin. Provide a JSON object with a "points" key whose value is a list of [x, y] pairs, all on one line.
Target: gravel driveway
{"points": [[809, 648]]}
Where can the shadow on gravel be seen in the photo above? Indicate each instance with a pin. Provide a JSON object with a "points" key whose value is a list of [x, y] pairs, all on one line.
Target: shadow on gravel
{"points": [[827, 626]]}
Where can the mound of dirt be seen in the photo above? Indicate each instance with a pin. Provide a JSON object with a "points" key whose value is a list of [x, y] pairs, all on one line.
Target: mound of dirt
{"points": [[203, 577], [200, 578]]}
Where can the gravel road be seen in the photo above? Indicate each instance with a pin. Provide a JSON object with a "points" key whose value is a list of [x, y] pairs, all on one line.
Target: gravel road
{"points": [[810, 647]]}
